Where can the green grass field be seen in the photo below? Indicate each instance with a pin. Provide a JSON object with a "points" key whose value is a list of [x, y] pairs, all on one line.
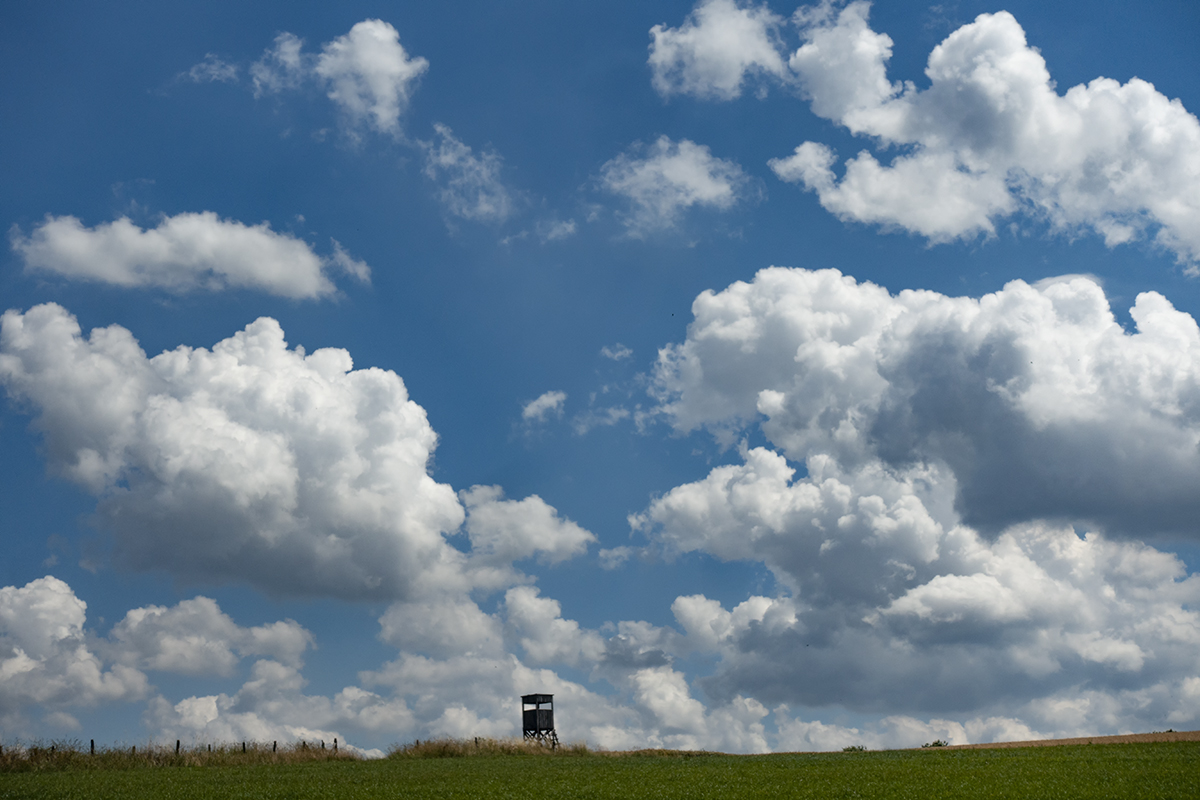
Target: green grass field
{"points": [[1160, 770]]}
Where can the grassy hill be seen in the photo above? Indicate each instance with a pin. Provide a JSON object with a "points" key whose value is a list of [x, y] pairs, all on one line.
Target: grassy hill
{"points": [[431, 770]]}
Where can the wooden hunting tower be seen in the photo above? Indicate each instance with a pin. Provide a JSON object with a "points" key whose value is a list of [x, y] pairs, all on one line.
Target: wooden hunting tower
{"points": [[537, 722]]}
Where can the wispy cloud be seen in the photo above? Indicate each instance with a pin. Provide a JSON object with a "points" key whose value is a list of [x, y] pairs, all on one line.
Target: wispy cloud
{"points": [[212, 69], [666, 179], [544, 406], [470, 186]]}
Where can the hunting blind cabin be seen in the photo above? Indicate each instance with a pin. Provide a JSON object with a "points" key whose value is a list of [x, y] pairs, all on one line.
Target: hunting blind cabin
{"points": [[538, 722]]}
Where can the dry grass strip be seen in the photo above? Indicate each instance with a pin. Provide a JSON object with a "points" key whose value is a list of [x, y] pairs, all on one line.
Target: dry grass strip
{"points": [[1128, 738]]}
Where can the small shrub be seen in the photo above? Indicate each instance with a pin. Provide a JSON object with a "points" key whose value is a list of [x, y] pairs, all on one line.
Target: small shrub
{"points": [[936, 743], [854, 748]]}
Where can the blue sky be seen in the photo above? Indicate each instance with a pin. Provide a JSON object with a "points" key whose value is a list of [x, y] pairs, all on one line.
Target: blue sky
{"points": [[749, 377]]}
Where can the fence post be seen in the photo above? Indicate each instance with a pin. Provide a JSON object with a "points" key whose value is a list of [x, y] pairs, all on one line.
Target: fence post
{"points": [[93, 747], [176, 747], [335, 744], [243, 747], [274, 746]]}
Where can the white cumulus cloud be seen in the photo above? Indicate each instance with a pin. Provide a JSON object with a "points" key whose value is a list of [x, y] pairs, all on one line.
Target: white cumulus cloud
{"points": [[256, 462], [718, 45], [249, 461], [186, 252], [991, 137], [367, 74], [953, 506], [503, 531], [272, 706], [1031, 402], [893, 606], [544, 635], [666, 179], [195, 637], [46, 660], [442, 627]]}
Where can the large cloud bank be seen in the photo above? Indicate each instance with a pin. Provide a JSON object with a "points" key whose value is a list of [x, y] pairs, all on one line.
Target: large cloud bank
{"points": [[184, 253], [254, 462], [458, 674], [1032, 402], [929, 558], [911, 594], [989, 138]]}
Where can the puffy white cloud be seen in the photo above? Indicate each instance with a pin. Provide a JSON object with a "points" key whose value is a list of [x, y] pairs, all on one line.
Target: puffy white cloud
{"points": [[719, 43], [505, 531], [930, 568], [665, 694], [923, 192], [990, 137], [251, 461], [367, 73], [708, 626], [196, 638], [547, 404], [544, 635], [442, 627], [45, 657], [841, 65], [664, 180], [254, 462], [272, 706], [890, 610], [473, 696], [186, 252], [469, 184], [1028, 403]]}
